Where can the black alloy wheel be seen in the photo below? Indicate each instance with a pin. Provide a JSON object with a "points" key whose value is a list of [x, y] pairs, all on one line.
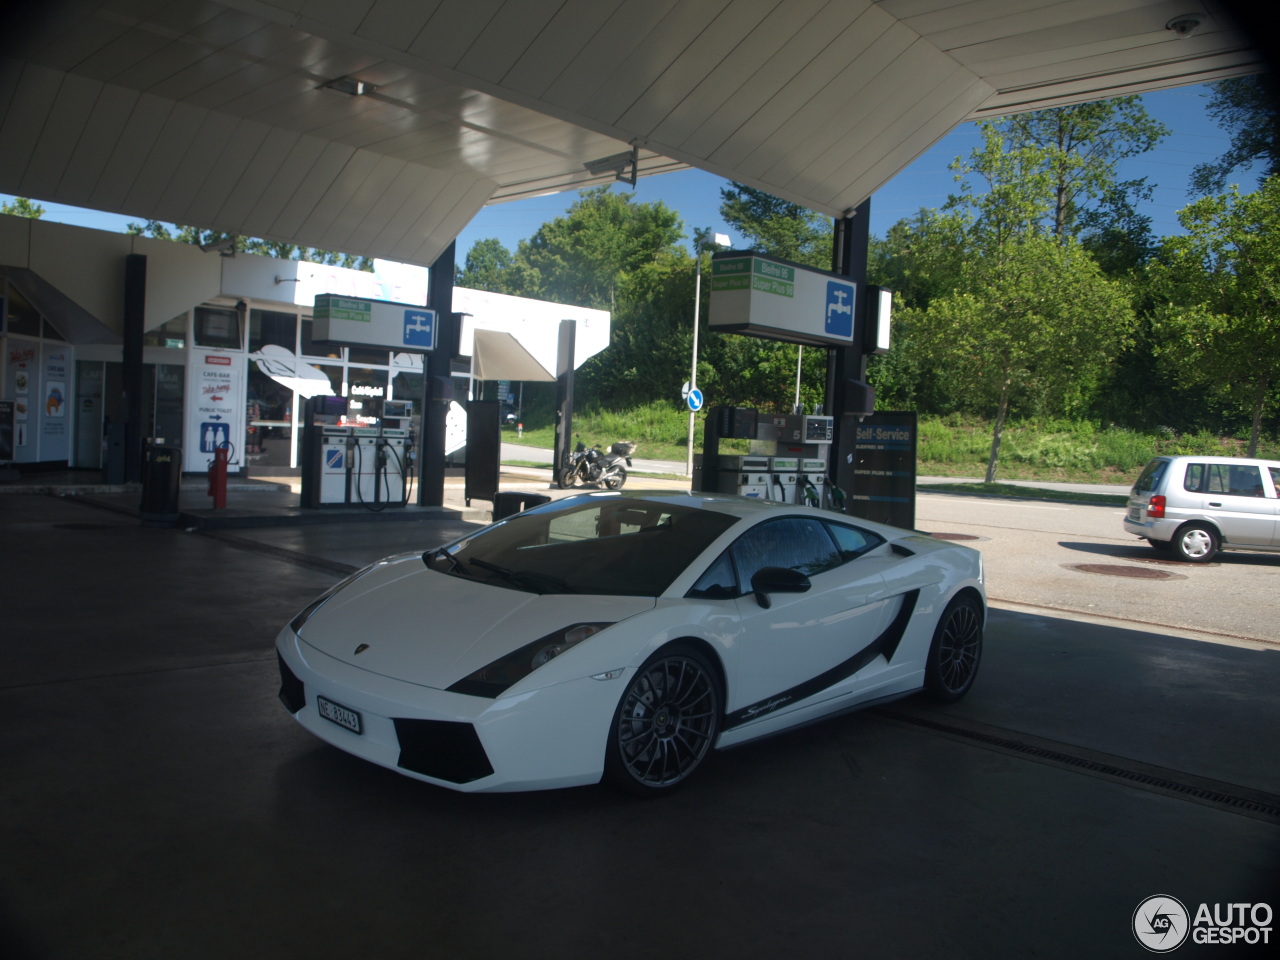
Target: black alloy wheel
{"points": [[956, 651], [665, 724]]}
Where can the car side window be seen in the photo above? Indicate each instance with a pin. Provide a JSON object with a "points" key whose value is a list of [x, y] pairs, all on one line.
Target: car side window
{"points": [[1193, 479], [853, 541], [1245, 481], [1275, 478], [797, 543], [718, 583]]}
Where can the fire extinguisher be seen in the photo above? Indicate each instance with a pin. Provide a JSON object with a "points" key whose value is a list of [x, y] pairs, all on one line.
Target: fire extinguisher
{"points": [[218, 476]]}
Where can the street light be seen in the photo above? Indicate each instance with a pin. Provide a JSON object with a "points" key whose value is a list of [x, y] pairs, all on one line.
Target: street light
{"points": [[721, 240]]}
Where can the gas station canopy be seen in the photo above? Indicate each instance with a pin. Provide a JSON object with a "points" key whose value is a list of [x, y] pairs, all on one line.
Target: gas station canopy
{"points": [[380, 127]]}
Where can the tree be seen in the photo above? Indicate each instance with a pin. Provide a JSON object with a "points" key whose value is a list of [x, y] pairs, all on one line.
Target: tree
{"points": [[1032, 317], [1247, 108], [22, 207], [1050, 167], [185, 233], [580, 257], [777, 227], [487, 267], [1219, 321]]}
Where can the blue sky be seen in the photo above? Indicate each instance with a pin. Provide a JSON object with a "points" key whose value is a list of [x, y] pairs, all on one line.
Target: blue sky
{"points": [[695, 195]]}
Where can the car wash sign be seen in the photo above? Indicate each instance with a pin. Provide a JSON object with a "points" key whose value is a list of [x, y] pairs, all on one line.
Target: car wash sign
{"points": [[373, 323], [770, 298]]}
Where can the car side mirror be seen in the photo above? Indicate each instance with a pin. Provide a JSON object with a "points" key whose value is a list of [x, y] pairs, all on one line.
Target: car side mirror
{"points": [[769, 580]]}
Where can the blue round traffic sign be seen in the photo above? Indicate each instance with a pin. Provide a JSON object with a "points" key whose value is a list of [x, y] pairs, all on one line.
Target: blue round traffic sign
{"points": [[694, 399]]}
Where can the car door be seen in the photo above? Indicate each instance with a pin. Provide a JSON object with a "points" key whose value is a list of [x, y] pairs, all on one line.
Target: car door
{"points": [[1237, 500], [797, 647]]}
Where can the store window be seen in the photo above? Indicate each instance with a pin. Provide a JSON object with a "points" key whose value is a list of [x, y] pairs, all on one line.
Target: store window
{"points": [[369, 355], [366, 391], [272, 328], [170, 334], [327, 351], [218, 327]]}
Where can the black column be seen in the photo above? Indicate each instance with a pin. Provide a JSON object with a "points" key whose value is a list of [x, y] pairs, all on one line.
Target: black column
{"points": [[851, 243], [437, 389], [135, 306]]}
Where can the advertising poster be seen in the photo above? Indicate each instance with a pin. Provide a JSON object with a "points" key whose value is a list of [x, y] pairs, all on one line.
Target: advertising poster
{"points": [[21, 359], [215, 411], [54, 432]]}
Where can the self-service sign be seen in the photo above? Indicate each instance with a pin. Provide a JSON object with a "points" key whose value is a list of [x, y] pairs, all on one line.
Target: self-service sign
{"points": [[374, 323], [770, 298]]}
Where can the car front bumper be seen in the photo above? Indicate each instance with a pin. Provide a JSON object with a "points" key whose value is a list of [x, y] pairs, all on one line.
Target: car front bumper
{"points": [[544, 739]]}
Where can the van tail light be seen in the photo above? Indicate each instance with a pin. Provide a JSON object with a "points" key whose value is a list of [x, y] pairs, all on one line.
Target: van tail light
{"points": [[1155, 509]]}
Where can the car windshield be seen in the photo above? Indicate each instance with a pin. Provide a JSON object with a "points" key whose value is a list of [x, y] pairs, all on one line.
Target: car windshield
{"points": [[613, 546]]}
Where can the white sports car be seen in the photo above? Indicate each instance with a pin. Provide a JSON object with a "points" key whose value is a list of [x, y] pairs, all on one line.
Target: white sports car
{"points": [[622, 637]]}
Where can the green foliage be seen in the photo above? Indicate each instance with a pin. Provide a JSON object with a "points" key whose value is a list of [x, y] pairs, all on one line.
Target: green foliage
{"points": [[1218, 323], [22, 207], [777, 227], [1247, 108], [184, 233], [487, 267]]}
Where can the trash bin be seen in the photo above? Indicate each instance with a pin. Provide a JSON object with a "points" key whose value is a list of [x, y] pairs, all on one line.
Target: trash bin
{"points": [[161, 478], [509, 502]]}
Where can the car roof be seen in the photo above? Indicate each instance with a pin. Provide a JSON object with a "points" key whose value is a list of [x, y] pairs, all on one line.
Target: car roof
{"points": [[745, 508], [1184, 458]]}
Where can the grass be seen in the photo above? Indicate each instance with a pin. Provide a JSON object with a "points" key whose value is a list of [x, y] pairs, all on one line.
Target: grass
{"points": [[1056, 450]]}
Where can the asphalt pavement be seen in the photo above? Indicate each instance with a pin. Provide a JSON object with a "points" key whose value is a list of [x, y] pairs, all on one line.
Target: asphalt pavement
{"points": [[159, 802]]}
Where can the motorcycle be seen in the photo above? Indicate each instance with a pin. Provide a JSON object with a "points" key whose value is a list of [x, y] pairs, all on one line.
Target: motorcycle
{"points": [[591, 466]]}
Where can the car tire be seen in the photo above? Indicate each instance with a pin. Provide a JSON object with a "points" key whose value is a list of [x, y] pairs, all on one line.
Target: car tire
{"points": [[616, 479], [1196, 542], [666, 723], [956, 651]]}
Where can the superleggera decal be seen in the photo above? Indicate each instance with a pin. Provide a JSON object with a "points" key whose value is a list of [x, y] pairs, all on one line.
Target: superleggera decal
{"points": [[886, 643]]}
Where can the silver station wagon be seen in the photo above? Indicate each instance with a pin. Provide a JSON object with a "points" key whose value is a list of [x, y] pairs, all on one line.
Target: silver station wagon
{"points": [[1196, 506]]}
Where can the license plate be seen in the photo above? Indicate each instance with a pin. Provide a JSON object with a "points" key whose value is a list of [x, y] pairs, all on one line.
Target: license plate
{"points": [[1135, 513], [342, 716]]}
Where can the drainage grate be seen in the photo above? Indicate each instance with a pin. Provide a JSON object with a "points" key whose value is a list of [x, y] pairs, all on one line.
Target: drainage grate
{"points": [[954, 536], [1254, 803], [84, 526], [1119, 570]]}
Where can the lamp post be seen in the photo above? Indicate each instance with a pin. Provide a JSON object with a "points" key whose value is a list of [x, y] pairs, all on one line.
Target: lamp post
{"points": [[721, 240]]}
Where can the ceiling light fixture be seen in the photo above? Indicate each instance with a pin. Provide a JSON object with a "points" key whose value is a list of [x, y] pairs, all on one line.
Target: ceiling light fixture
{"points": [[350, 86]]}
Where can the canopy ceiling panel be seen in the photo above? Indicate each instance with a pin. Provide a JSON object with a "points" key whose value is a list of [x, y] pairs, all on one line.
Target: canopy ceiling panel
{"points": [[380, 127]]}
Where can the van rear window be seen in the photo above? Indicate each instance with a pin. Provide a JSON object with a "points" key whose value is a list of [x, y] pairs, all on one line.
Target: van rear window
{"points": [[1149, 479]]}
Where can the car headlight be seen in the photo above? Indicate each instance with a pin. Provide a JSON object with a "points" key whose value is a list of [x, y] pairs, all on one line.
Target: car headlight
{"points": [[492, 679]]}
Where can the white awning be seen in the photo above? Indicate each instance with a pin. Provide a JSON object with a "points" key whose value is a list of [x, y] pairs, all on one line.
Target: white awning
{"points": [[500, 356]]}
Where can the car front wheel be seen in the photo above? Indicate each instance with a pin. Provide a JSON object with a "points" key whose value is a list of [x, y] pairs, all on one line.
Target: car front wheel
{"points": [[956, 651], [1196, 543], [665, 724]]}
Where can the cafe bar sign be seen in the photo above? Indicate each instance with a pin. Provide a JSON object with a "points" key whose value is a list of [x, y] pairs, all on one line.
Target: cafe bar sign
{"points": [[353, 321], [778, 300]]}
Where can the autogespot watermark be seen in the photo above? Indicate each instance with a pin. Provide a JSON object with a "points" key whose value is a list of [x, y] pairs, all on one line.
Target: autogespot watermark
{"points": [[1161, 923]]}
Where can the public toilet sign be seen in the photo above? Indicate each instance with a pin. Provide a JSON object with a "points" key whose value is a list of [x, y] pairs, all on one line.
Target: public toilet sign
{"points": [[373, 323], [777, 300]]}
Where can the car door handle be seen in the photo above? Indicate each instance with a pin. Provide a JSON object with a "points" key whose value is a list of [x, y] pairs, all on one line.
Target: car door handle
{"points": [[1215, 503]]}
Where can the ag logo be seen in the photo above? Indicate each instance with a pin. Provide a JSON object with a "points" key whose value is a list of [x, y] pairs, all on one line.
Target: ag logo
{"points": [[1161, 923]]}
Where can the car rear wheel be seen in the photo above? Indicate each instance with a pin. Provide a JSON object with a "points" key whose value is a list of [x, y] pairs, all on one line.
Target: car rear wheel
{"points": [[956, 651], [665, 724], [1196, 543]]}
